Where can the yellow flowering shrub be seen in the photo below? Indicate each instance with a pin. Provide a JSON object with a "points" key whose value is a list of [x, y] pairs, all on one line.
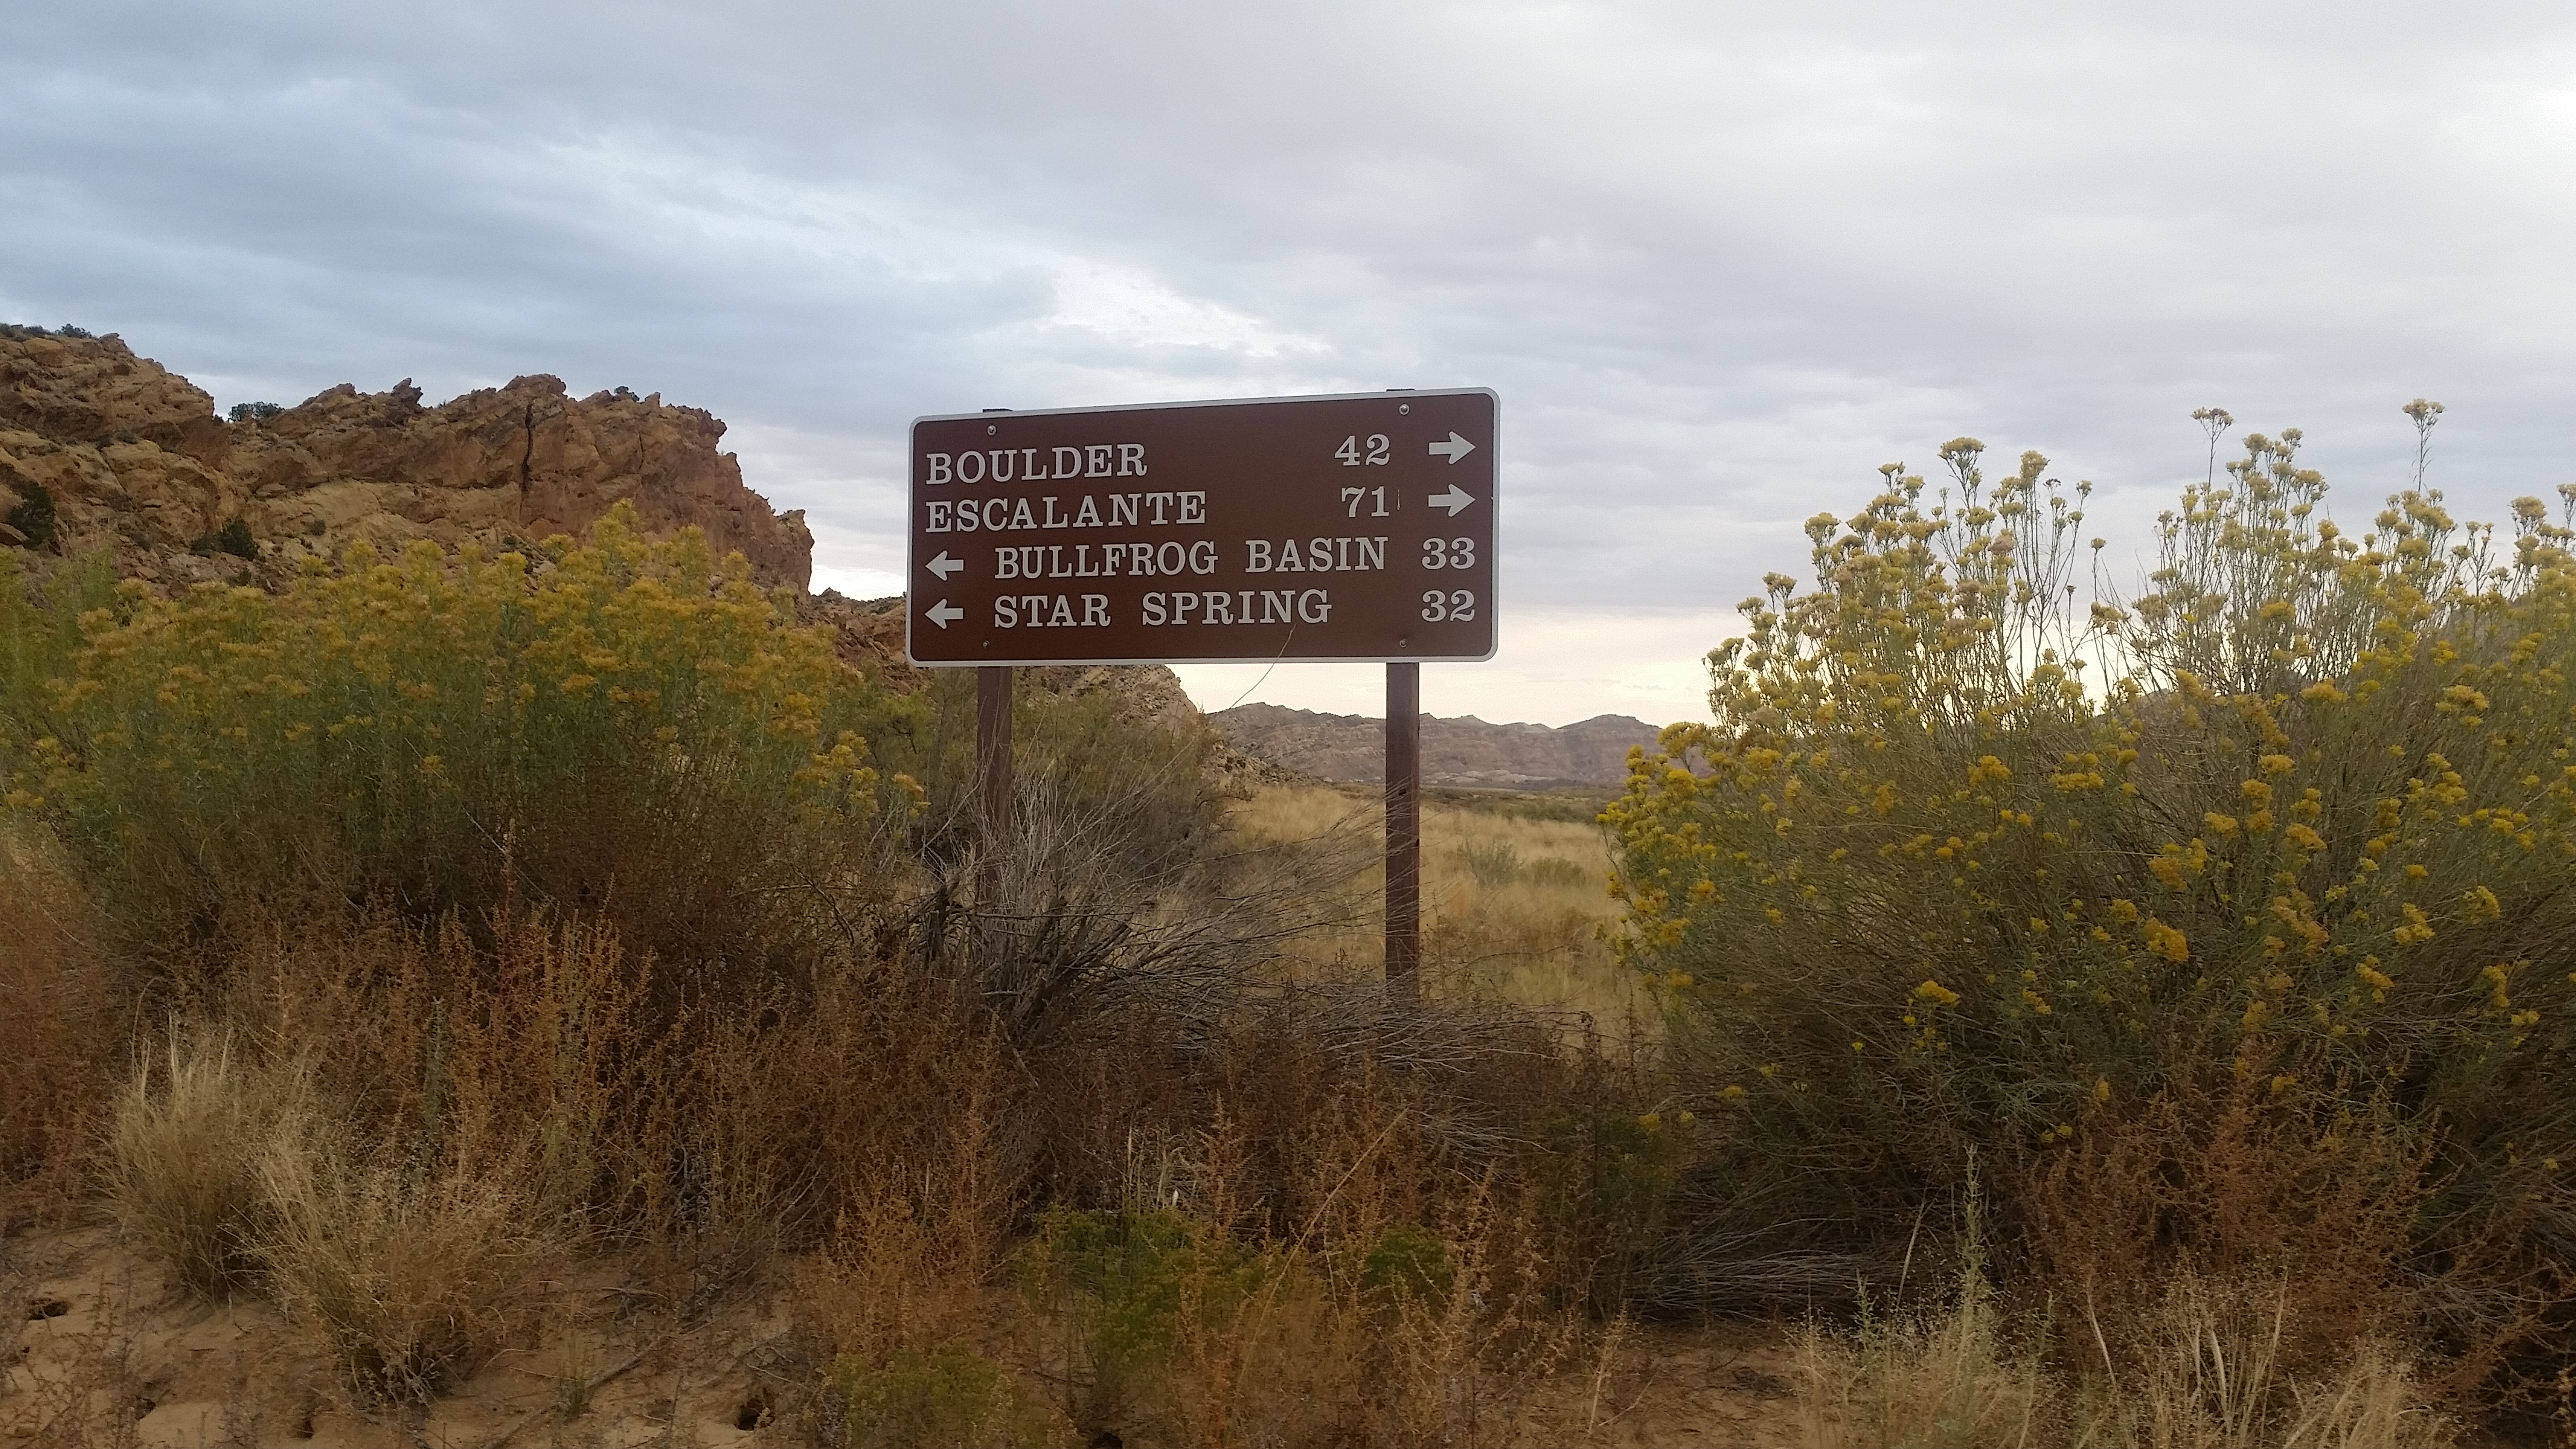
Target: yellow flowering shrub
{"points": [[624, 726], [1972, 851]]}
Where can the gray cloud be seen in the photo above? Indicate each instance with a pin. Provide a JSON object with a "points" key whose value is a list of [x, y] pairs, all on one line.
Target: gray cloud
{"points": [[1721, 260]]}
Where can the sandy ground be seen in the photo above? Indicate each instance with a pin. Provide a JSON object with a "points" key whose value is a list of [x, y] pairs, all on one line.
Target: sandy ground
{"points": [[99, 1350], [1727, 1387]]}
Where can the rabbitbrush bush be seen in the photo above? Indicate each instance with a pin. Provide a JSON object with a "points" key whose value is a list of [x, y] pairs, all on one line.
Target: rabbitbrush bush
{"points": [[625, 727], [1969, 860]]}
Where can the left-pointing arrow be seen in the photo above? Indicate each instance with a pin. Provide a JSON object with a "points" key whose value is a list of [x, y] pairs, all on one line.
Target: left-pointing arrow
{"points": [[945, 613], [944, 566]]}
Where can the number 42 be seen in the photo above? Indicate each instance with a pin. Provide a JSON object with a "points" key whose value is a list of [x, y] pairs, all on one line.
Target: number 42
{"points": [[1378, 449]]}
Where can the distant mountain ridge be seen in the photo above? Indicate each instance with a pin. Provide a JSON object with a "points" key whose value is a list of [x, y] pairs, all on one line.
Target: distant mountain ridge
{"points": [[1465, 751]]}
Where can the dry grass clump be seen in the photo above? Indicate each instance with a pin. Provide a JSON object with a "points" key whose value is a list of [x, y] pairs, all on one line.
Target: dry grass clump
{"points": [[421, 1037], [1922, 1381], [2215, 1376], [406, 1136], [1189, 1322], [409, 1256], [2248, 1359], [409, 1273], [720, 1132], [2205, 1372], [182, 1157]]}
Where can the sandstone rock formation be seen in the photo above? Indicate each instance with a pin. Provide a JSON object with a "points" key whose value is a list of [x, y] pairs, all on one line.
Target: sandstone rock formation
{"points": [[136, 462], [1465, 751]]}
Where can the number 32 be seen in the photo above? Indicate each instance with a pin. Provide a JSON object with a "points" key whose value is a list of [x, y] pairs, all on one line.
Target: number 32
{"points": [[1458, 605]]}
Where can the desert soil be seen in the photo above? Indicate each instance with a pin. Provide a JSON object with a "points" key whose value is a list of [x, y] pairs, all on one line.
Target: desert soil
{"points": [[96, 1339]]}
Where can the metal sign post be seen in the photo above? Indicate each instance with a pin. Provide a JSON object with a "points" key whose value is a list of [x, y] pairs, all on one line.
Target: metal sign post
{"points": [[992, 776], [1357, 527], [1403, 830]]}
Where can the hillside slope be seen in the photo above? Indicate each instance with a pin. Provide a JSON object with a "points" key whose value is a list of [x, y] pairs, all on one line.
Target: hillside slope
{"points": [[1465, 751]]}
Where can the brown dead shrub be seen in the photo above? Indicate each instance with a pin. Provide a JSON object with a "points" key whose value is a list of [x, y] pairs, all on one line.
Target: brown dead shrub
{"points": [[60, 1033], [2363, 1223], [2232, 1177]]}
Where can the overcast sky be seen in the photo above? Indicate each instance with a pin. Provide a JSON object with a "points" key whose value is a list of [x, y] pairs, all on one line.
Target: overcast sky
{"points": [[1721, 260]]}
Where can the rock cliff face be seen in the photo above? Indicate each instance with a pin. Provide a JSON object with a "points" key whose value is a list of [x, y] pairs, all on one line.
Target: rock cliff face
{"points": [[136, 461], [1465, 751]]}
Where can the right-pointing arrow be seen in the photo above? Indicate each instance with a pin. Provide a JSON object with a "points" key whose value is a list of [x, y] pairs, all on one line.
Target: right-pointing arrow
{"points": [[1454, 500], [1455, 448], [945, 613]]}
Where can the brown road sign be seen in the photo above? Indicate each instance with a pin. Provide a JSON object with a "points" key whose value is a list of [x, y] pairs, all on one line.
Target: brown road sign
{"points": [[1355, 527]]}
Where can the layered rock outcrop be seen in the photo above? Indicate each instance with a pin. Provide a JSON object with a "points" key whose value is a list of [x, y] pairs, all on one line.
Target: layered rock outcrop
{"points": [[1465, 751], [135, 461]]}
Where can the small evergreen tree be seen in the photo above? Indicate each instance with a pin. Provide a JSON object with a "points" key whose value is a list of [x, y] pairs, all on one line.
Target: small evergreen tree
{"points": [[33, 516]]}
